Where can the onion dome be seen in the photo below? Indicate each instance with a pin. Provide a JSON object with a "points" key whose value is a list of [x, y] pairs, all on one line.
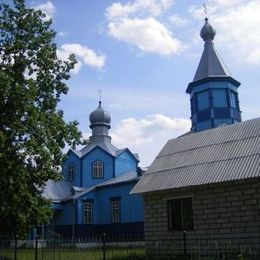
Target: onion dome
{"points": [[100, 116], [207, 32]]}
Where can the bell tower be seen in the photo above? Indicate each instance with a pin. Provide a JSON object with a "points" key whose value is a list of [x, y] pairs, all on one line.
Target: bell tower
{"points": [[213, 91]]}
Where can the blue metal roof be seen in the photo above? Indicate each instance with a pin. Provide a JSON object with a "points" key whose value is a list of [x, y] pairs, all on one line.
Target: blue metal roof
{"points": [[58, 191], [122, 178], [125, 177]]}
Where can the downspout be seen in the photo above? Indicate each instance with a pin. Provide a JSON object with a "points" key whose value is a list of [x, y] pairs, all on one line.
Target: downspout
{"points": [[73, 219], [76, 217]]}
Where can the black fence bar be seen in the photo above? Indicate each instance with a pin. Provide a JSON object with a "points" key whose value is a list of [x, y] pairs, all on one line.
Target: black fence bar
{"points": [[185, 245], [104, 246], [36, 247], [15, 247]]}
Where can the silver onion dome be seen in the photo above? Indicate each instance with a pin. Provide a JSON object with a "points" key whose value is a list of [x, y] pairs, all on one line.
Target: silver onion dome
{"points": [[207, 32], [100, 116]]}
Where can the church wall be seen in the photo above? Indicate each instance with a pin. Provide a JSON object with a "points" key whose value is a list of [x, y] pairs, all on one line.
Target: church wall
{"points": [[96, 154], [75, 161], [131, 205], [88, 196], [221, 212], [65, 216], [131, 213], [124, 162]]}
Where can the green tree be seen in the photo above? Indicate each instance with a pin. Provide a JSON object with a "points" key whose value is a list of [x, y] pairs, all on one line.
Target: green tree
{"points": [[33, 132]]}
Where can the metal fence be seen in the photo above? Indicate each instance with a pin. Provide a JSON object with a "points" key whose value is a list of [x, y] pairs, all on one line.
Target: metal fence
{"points": [[103, 247], [185, 246]]}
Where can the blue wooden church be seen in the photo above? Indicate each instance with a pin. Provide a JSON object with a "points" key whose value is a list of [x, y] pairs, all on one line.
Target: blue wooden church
{"points": [[93, 196]]}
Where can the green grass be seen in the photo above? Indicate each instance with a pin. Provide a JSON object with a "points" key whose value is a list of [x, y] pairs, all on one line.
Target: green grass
{"points": [[77, 254]]}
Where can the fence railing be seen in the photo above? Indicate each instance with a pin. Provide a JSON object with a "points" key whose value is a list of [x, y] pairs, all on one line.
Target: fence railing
{"points": [[189, 245], [85, 247], [123, 247]]}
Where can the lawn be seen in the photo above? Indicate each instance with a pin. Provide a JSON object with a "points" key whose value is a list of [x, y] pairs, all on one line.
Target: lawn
{"points": [[76, 254]]}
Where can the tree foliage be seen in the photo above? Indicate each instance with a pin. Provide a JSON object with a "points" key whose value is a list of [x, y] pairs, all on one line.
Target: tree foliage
{"points": [[33, 132]]}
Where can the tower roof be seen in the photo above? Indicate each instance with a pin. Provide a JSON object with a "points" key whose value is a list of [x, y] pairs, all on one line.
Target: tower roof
{"points": [[100, 116], [210, 65], [100, 124]]}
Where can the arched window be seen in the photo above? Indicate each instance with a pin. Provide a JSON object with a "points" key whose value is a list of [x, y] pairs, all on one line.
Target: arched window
{"points": [[71, 172], [97, 170]]}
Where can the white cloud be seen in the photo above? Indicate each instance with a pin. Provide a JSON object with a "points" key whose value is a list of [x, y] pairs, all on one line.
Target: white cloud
{"points": [[148, 35], [177, 20], [238, 26], [134, 23], [48, 8], [148, 135], [151, 7], [84, 55]]}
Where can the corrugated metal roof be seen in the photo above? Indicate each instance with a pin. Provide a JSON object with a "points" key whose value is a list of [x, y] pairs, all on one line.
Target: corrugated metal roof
{"points": [[216, 155]]}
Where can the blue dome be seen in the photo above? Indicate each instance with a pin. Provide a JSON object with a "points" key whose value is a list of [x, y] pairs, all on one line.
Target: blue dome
{"points": [[100, 116], [207, 32]]}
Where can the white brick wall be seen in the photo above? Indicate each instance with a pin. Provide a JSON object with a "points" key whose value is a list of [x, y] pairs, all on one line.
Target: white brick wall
{"points": [[221, 212]]}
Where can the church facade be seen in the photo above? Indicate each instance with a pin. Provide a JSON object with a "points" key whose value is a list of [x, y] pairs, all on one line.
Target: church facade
{"points": [[202, 192], [93, 195]]}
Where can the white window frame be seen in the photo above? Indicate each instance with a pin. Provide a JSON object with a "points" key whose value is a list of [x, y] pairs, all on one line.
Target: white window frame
{"points": [[98, 170], [88, 212], [71, 172], [115, 210]]}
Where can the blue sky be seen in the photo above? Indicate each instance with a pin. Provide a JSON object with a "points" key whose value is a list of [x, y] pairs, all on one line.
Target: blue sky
{"points": [[143, 54]]}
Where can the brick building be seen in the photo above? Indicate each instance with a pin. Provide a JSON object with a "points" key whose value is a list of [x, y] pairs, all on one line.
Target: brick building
{"points": [[208, 184]]}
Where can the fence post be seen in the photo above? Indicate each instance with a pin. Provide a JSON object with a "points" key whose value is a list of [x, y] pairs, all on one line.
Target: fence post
{"points": [[185, 245], [36, 247], [104, 246], [15, 247]]}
